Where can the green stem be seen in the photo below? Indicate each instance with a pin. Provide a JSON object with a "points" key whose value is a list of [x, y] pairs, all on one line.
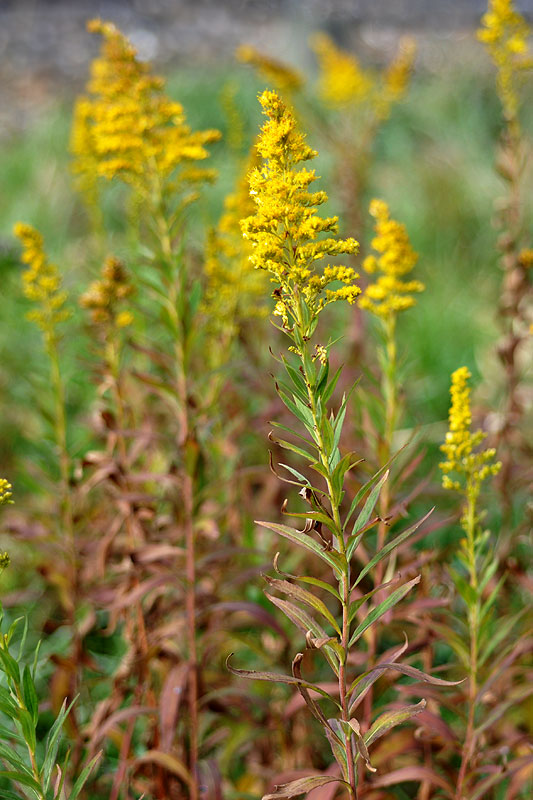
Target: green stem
{"points": [[344, 580], [473, 623], [176, 291]]}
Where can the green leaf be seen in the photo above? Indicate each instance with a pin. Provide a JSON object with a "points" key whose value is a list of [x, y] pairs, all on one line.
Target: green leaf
{"points": [[384, 552], [24, 779], [364, 516], [309, 599], [308, 579], [382, 609], [355, 605], [295, 449], [52, 743], [331, 557], [27, 724], [330, 388], [11, 668], [392, 718], [83, 776], [30, 695]]}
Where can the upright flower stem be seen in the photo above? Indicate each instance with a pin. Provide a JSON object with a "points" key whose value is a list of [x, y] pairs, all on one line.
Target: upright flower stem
{"points": [[344, 580], [60, 425], [473, 624], [186, 435]]}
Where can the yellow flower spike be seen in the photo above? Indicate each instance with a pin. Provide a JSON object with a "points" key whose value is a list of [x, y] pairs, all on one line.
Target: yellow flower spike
{"points": [[280, 75], [103, 296], [41, 282], [342, 80], [127, 128], [470, 467], [285, 229], [505, 33], [389, 294]]}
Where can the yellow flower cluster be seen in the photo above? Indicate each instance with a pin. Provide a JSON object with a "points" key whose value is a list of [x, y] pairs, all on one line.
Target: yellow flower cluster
{"points": [[389, 294], [343, 82], [235, 291], [5, 491], [280, 75], [42, 282], [472, 467], [396, 77], [285, 228], [505, 32], [103, 296], [127, 127]]}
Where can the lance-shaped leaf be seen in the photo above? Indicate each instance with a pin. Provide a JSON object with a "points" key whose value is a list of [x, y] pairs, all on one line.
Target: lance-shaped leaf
{"points": [[309, 599], [337, 740], [382, 609], [291, 446], [364, 516], [331, 557], [355, 605], [364, 681], [307, 579], [312, 704], [301, 786], [360, 744], [390, 719], [276, 677], [305, 623], [480, 791], [384, 552]]}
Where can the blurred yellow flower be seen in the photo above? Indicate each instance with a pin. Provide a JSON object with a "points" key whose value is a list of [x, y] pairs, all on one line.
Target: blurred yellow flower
{"points": [[127, 127], [103, 296], [41, 282], [505, 33], [284, 78], [390, 294]]}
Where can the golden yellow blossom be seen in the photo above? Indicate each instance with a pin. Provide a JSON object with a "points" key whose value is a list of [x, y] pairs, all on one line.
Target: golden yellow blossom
{"points": [[280, 75], [505, 33], [396, 77], [5, 491], [471, 468], [342, 80], [41, 281], [390, 294], [127, 127], [103, 296], [285, 229], [235, 291]]}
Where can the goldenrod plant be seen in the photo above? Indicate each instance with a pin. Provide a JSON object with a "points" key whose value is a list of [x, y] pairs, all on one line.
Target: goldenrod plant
{"points": [[42, 284], [386, 296], [483, 636], [286, 233], [506, 35]]}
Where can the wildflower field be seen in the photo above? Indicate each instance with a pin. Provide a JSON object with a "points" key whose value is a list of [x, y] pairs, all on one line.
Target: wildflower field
{"points": [[267, 428]]}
